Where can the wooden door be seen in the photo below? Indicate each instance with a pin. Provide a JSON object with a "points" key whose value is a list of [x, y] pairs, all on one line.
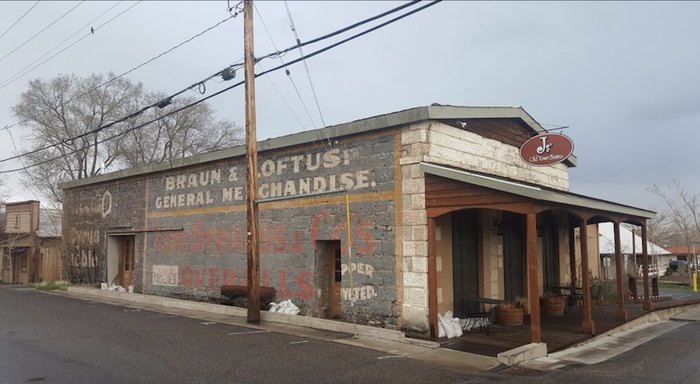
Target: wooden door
{"points": [[126, 261], [336, 308], [465, 261]]}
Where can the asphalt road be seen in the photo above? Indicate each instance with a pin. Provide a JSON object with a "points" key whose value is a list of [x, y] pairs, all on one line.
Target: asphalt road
{"points": [[56, 339], [670, 358]]}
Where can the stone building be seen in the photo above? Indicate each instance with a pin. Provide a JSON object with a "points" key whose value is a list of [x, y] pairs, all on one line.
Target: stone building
{"points": [[443, 209]]}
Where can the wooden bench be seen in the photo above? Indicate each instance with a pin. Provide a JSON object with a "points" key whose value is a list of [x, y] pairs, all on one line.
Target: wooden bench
{"points": [[238, 295]]}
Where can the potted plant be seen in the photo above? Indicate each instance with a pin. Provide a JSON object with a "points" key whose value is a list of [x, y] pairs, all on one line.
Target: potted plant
{"points": [[552, 304], [511, 312]]}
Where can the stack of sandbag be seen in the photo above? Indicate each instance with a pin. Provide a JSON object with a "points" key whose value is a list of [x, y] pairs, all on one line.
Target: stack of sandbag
{"points": [[449, 326], [286, 307]]}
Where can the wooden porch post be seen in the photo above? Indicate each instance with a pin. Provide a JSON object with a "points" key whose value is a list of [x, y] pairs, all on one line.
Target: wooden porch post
{"points": [[572, 255], [621, 314], [646, 304], [432, 280], [587, 325], [532, 279]]}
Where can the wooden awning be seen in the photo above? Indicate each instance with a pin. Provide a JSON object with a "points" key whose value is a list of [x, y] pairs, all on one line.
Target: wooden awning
{"points": [[537, 193]]}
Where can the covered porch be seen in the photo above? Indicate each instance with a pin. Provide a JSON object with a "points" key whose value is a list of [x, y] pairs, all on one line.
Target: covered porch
{"points": [[496, 240], [558, 332]]}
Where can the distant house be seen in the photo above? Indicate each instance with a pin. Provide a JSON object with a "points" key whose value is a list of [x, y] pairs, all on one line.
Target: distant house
{"points": [[31, 244], [682, 252], [631, 249]]}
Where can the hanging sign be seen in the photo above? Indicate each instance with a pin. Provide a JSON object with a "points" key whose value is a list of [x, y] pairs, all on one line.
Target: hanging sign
{"points": [[546, 149]]}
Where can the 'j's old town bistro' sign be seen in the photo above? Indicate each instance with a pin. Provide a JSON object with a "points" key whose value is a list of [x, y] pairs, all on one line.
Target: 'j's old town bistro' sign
{"points": [[546, 149]]}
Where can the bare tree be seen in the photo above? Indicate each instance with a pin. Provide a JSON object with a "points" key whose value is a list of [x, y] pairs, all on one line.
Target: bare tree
{"points": [[683, 216], [177, 135], [66, 114]]}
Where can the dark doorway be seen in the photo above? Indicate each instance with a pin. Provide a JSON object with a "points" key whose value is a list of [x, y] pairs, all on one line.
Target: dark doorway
{"points": [[328, 278], [513, 255], [550, 251], [465, 261]]}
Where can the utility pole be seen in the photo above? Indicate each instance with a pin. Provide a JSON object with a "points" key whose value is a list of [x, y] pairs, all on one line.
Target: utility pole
{"points": [[251, 167]]}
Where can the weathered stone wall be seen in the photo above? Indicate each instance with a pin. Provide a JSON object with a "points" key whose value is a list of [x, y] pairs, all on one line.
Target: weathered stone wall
{"points": [[463, 149], [443, 144], [208, 202], [88, 214], [414, 228]]}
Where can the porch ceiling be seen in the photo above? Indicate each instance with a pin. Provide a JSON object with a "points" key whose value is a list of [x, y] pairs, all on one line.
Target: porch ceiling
{"points": [[539, 194]]}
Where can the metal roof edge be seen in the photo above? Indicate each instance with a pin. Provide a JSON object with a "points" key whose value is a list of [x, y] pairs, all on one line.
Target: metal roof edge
{"points": [[323, 134], [407, 116], [532, 192]]}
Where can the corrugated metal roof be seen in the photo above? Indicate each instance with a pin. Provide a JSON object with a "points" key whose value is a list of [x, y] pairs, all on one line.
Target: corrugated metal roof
{"points": [[628, 241]]}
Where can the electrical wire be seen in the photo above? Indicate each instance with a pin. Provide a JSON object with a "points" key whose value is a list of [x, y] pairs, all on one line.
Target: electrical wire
{"points": [[161, 103], [7, 127], [306, 66], [40, 32], [20, 19], [343, 30], [66, 48], [59, 44], [170, 50], [317, 52], [238, 10], [289, 75], [289, 107], [199, 85], [50, 217]]}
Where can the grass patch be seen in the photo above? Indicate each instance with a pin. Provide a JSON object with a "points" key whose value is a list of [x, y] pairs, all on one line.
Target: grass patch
{"points": [[52, 286]]}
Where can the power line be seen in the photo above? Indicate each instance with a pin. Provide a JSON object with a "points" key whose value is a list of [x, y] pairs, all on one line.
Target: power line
{"points": [[40, 32], [7, 127], [289, 107], [317, 52], [237, 11], [233, 15], [289, 76], [18, 20], [171, 49], [71, 45], [349, 27], [301, 53], [58, 45], [29, 188]]}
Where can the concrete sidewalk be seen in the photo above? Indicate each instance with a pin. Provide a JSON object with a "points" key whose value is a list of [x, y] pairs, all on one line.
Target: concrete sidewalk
{"points": [[618, 340], [394, 343]]}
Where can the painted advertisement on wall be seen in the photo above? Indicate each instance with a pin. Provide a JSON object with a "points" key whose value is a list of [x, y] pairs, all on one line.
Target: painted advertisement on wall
{"points": [[89, 214], [305, 193]]}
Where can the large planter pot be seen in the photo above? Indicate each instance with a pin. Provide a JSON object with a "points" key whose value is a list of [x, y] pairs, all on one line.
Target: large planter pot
{"points": [[511, 316], [553, 306]]}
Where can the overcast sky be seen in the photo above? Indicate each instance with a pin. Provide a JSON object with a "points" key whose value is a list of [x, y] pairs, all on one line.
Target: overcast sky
{"points": [[622, 76]]}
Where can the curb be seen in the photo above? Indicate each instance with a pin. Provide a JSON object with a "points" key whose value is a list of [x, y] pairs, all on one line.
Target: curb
{"points": [[270, 317]]}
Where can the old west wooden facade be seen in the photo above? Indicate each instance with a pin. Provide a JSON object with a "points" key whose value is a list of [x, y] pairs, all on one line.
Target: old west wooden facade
{"points": [[31, 250], [442, 208]]}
